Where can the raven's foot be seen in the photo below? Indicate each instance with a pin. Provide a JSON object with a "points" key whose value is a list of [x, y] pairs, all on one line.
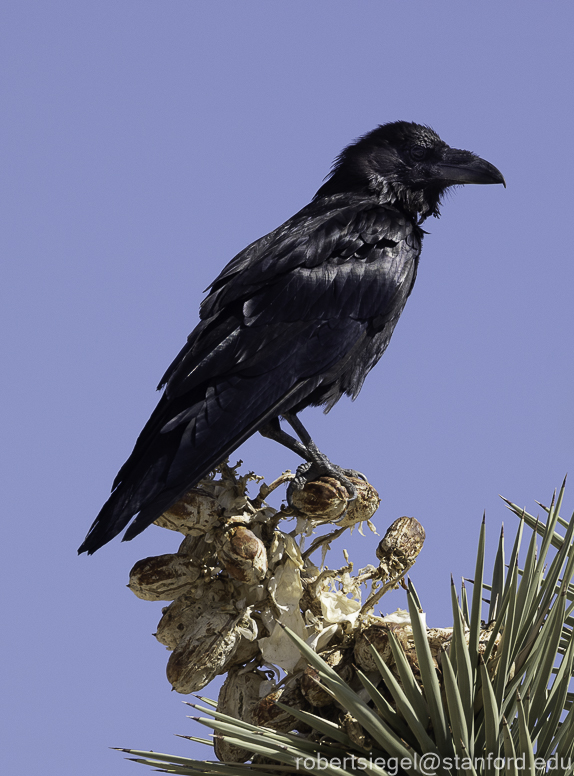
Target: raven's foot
{"points": [[308, 472]]}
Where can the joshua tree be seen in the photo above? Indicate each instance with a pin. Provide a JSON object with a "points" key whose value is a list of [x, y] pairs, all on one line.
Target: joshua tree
{"points": [[316, 683]]}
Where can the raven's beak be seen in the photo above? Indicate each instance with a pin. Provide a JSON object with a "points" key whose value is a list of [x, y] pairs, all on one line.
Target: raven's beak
{"points": [[459, 167]]}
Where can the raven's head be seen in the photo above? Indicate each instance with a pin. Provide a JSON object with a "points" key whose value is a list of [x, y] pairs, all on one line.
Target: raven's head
{"points": [[407, 164]]}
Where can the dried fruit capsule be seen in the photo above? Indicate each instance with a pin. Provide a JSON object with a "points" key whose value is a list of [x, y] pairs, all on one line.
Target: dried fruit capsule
{"points": [[364, 506], [324, 499], [310, 681], [401, 545], [356, 732], [377, 636], [267, 714], [195, 513], [204, 651], [242, 554], [238, 696], [179, 616], [163, 577]]}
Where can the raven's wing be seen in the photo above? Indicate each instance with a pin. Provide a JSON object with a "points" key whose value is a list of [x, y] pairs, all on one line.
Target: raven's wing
{"points": [[286, 324]]}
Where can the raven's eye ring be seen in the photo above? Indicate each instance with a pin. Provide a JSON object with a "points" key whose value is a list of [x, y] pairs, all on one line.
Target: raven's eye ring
{"points": [[418, 153]]}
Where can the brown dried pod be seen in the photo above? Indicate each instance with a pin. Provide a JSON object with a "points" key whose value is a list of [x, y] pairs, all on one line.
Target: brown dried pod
{"points": [[356, 733], [309, 600], [312, 690], [204, 651], [310, 687], [322, 499], [400, 546], [178, 617], [377, 636], [238, 697], [197, 547], [184, 611], [242, 554], [439, 639], [195, 513], [247, 650], [267, 714], [363, 507], [163, 577]]}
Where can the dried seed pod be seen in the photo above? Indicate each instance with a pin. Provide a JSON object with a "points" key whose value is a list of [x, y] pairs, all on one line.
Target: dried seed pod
{"points": [[204, 650], [377, 636], [178, 617], [363, 507], [356, 733], [195, 513], [185, 610], [439, 639], [312, 690], [242, 554], [238, 696], [197, 547], [322, 499], [267, 714], [310, 601], [310, 687], [246, 651], [163, 577], [400, 546]]}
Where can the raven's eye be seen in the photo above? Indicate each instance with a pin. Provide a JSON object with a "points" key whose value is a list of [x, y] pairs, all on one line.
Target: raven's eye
{"points": [[418, 153]]}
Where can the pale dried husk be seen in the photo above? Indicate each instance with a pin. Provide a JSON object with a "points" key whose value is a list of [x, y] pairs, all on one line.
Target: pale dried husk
{"points": [[325, 499], [363, 507], [163, 577], [355, 731], [247, 651], [400, 546], [238, 697], [312, 690], [178, 617], [267, 714], [204, 651], [194, 514], [285, 590], [242, 554], [376, 635]]}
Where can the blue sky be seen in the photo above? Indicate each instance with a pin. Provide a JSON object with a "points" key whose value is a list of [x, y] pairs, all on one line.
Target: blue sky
{"points": [[142, 145]]}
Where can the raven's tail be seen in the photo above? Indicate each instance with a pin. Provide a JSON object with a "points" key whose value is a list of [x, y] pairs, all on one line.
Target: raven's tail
{"points": [[169, 460]]}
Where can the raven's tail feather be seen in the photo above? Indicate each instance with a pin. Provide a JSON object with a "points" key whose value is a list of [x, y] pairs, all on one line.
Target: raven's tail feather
{"points": [[150, 488]]}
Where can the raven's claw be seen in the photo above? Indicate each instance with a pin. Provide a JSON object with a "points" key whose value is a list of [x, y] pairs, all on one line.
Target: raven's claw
{"points": [[307, 472], [354, 473]]}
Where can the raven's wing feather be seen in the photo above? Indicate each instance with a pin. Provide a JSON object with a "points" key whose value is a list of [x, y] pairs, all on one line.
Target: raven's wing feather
{"points": [[278, 328]]}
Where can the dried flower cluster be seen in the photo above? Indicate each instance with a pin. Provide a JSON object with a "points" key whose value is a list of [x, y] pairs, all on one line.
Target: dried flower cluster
{"points": [[239, 576]]}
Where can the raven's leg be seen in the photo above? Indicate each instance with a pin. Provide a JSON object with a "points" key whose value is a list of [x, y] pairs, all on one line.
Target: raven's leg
{"points": [[318, 464], [274, 431]]}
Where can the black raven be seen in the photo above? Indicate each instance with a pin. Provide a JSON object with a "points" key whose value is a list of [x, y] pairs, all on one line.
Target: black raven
{"points": [[296, 319]]}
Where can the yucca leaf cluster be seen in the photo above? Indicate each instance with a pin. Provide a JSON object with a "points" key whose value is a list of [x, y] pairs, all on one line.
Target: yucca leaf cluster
{"points": [[495, 700]]}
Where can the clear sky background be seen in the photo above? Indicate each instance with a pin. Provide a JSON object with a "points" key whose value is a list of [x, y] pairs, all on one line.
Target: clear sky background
{"points": [[142, 145]]}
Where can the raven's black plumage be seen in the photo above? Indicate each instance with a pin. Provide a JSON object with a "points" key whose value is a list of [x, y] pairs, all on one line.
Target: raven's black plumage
{"points": [[298, 318]]}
